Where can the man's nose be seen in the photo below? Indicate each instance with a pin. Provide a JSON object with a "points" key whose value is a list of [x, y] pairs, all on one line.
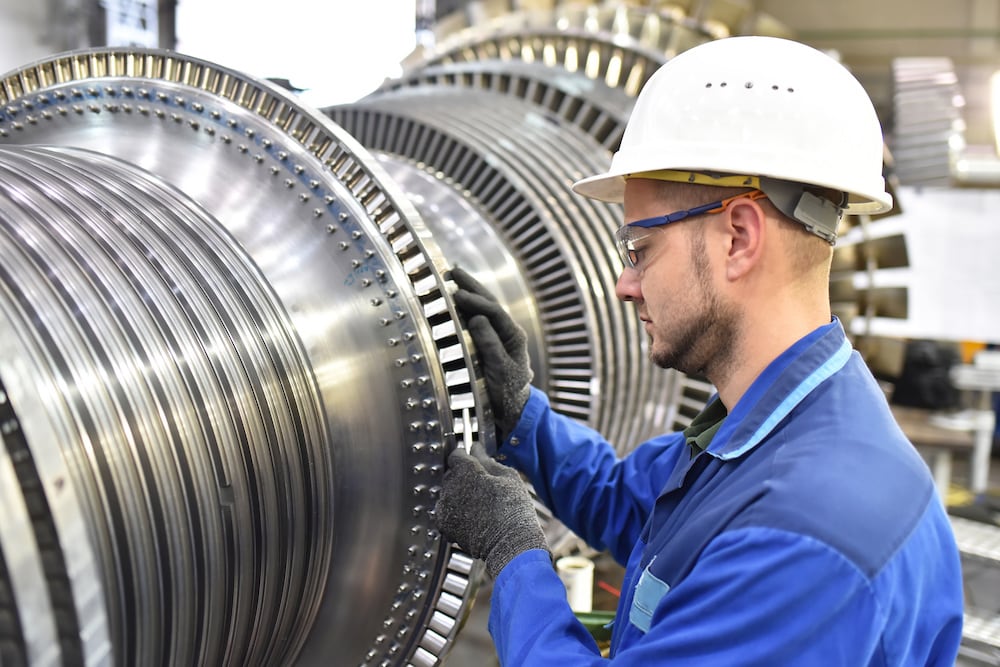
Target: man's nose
{"points": [[627, 288]]}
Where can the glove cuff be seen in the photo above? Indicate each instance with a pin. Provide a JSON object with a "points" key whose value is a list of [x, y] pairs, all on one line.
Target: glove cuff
{"points": [[512, 413], [501, 555]]}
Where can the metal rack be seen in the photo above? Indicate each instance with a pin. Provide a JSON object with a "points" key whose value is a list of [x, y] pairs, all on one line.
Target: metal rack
{"points": [[979, 545]]}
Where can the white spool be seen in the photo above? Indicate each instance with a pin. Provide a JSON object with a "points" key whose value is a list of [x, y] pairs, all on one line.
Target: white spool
{"points": [[577, 574]]}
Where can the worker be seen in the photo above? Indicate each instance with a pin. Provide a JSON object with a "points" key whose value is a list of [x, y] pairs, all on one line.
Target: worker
{"points": [[791, 523]]}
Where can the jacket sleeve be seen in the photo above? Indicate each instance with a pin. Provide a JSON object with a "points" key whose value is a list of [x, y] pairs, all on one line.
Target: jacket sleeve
{"points": [[753, 599], [576, 473]]}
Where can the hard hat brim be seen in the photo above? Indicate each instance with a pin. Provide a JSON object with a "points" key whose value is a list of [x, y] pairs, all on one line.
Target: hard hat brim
{"points": [[603, 187]]}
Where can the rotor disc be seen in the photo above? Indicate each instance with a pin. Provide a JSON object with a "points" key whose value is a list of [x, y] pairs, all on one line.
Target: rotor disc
{"points": [[326, 236]]}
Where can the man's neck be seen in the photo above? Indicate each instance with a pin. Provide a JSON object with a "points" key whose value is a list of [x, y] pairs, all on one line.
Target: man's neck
{"points": [[762, 342]]}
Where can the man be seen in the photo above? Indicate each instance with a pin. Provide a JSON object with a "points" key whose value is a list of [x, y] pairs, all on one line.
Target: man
{"points": [[792, 523]]}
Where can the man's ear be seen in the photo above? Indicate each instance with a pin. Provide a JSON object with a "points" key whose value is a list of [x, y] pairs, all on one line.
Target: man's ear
{"points": [[746, 226]]}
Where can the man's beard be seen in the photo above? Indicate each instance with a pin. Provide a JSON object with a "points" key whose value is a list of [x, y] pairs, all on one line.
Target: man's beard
{"points": [[705, 341]]}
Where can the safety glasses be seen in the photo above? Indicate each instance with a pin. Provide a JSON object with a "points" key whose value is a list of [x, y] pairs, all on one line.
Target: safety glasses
{"points": [[633, 238]]}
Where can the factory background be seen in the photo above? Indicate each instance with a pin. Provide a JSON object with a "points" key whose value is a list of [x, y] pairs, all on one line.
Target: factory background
{"points": [[412, 136]]}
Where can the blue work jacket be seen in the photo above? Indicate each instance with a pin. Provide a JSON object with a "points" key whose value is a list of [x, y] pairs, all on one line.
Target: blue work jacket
{"points": [[808, 533]]}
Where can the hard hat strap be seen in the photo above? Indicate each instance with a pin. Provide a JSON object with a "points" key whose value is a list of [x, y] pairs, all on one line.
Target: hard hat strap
{"points": [[817, 214]]}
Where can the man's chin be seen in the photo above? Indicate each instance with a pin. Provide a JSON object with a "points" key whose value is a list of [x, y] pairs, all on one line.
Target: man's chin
{"points": [[659, 358]]}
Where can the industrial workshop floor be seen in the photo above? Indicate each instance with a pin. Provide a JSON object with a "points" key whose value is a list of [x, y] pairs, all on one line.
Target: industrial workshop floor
{"points": [[979, 542]]}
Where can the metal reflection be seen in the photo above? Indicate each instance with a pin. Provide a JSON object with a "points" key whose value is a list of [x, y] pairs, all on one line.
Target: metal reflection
{"points": [[194, 294]]}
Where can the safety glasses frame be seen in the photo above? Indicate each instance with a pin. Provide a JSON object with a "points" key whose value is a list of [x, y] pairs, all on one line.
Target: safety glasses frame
{"points": [[626, 237]]}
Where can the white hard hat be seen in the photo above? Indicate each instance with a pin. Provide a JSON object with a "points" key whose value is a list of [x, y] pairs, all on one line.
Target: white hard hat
{"points": [[760, 106]]}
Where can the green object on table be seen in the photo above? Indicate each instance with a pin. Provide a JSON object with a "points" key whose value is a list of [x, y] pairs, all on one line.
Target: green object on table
{"points": [[596, 623]]}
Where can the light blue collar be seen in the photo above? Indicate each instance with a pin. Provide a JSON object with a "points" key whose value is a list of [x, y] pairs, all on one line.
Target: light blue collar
{"points": [[786, 381]]}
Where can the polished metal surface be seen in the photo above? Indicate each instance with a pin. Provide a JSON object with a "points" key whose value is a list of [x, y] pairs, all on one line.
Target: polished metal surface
{"points": [[597, 109], [228, 336], [557, 242], [524, 97], [103, 266], [612, 42]]}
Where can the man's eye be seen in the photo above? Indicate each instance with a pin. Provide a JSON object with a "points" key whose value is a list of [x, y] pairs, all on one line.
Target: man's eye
{"points": [[636, 250]]}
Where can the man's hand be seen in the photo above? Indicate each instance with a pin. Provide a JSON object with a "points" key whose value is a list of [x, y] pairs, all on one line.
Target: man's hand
{"points": [[486, 509], [502, 347]]}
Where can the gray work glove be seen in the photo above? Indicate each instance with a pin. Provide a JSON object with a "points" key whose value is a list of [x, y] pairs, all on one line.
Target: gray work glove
{"points": [[502, 347], [486, 509]]}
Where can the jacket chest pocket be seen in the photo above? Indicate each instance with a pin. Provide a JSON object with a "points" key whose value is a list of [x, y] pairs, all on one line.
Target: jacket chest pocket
{"points": [[648, 593]]}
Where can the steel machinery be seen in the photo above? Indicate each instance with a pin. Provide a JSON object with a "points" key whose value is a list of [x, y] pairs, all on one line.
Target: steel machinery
{"points": [[230, 366]]}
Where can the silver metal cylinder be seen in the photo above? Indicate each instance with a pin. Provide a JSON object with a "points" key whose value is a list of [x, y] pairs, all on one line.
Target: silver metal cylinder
{"points": [[233, 369]]}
